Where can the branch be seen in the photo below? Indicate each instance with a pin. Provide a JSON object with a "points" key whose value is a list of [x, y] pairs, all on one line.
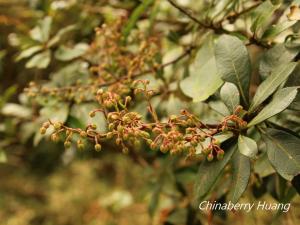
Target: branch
{"points": [[210, 26]]}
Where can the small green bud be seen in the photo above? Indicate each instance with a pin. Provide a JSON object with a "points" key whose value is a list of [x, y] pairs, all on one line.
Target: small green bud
{"points": [[210, 157], [54, 137], [111, 126], [153, 146], [137, 143], [149, 141], [109, 135], [173, 117], [97, 147], [128, 99], [43, 130], [67, 144], [57, 125], [120, 128], [144, 134], [94, 126], [220, 157], [92, 114], [83, 134]]}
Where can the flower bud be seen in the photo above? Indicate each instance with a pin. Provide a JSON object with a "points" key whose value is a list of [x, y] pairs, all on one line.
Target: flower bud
{"points": [[153, 146], [57, 125], [210, 157], [83, 134], [43, 130], [120, 128], [97, 147], [54, 137], [94, 126], [111, 126], [92, 114], [109, 135], [220, 154], [128, 99], [67, 144]]}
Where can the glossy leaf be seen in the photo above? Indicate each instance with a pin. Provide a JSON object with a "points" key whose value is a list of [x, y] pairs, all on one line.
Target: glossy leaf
{"points": [[278, 55], [262, 16], [233, 63], [230, 96], [241, 174], [283, 152], [59, 35], [274, 30], [29, 52], [81, 112], [263, 166], [247, 146], [294, 80], [267, 87], [199, 86], [64, 53], [40, 60], [41, 32], [281, 100]]}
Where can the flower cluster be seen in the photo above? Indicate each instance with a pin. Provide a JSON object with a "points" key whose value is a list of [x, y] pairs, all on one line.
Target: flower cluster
{"points": [[182, 133], [120, 63]]}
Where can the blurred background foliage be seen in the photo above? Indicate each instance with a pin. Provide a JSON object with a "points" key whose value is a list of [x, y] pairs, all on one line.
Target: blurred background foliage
{"points": [[41, 183]]}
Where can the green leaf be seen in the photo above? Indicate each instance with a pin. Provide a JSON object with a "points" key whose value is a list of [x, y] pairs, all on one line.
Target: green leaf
{"points": [[64, 53], [40, 60], [283, 152], [208, 174], [198, 85], [263, 166], [262, 16], [219, 107], [29, 52], [233, 63], [60, 34], [241, 174], [41, 32], [57, 112], [278, 55], [281, 100], [230, 96], [294, 80], [267, 87], [81, 112], [275, 30], [16, 110], [69, 74], [247, 146], [136, 14]]}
